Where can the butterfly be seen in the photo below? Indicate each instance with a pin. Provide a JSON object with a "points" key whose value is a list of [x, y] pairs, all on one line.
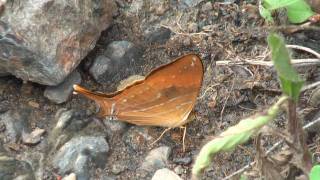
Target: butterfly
{"points": [[164, 98]]}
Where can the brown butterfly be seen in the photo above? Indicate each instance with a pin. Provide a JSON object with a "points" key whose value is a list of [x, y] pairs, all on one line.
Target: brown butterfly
{"points": [[164, 98]]}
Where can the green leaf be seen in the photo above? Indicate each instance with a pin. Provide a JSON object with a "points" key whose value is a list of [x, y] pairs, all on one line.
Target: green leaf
{"points": [[315, 173], [265, 13], [291, 83], [243, 177], [299, 12], [234, 136], [276, 4], [291, 88]]}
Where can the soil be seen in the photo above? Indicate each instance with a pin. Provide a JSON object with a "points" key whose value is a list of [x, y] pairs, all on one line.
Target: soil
{"points": [[235, 32]]}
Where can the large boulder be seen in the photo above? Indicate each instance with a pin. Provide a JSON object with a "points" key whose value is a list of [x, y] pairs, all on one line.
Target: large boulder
{"points": [[43, 41]]}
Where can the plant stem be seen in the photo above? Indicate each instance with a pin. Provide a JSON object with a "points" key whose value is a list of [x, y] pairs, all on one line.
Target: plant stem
{"points": [[293, 123], [298, 136]]}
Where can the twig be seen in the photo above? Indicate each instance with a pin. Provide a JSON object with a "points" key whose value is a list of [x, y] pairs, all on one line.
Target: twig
{"points": [[184, 34], [225, 102], [211, 87], [310, 86], [309, 50], [295, 62], [276, 145]]}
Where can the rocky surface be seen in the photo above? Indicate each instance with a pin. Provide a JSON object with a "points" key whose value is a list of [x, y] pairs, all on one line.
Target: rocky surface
{"points": [[156, 159], [15, 123], [11, 168], [136, 137], [32, 138], [120, 59], [165, 174], [60, 93], [44, 41], [81, 154], [145, 35]]}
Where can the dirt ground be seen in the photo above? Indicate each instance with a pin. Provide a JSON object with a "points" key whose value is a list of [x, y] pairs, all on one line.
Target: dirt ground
{"points": [[232, 33]]}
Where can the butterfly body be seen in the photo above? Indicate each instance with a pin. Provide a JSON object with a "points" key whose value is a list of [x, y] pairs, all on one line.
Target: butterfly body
{"points": [[164, 98]]}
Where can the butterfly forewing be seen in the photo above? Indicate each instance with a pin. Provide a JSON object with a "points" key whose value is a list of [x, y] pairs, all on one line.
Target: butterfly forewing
{"points": [[165, 97]]}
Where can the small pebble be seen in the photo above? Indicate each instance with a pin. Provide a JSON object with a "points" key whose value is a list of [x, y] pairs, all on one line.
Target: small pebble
{"points": [[183, 160], [179, 170], [33, 104], [32, 138], [60, 93], [71, 176], [165, 174], [157, 158], [77, 153]]}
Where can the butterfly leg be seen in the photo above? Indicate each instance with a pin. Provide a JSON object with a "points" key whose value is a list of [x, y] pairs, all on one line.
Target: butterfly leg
{"points": [[184, 137], [166, 130]]}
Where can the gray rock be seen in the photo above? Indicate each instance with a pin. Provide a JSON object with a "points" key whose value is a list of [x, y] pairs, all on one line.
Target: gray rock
{"points": [[15, 123], [56, 137], [165, 173], [179, 170], [68, 123], [158, 35], [100, 65], [121, 59], [183, 160], [32, 138], [10, 168], [81, 166], [60, 93], [44, 41], [156, 159], [63, 117], [80, 155]]}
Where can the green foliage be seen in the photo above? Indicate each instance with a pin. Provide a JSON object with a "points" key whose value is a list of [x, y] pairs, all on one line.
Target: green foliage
{"points": [[265, 13], [234, 136], [276, 4], [297, 10], [315, 173], [243, 177], [291, 83]]}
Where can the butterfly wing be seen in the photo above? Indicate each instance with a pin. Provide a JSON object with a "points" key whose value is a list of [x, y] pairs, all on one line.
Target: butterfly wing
{"points": [[103, 100], [165, 97]]}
